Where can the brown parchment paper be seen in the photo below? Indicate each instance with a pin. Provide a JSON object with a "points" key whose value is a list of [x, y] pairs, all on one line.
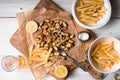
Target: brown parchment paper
{"points": [[22, 39], [40, 16]]}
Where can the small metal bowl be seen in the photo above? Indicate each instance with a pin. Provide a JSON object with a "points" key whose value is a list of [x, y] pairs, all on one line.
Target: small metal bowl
{"points": [[83, 36]]}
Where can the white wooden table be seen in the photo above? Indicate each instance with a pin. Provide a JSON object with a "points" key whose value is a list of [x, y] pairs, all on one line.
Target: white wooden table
{"points": [[8, 25]]}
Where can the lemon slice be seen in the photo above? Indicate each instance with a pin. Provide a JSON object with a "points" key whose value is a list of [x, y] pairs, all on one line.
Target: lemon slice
{"points": [[31, 26], [61, 71]]}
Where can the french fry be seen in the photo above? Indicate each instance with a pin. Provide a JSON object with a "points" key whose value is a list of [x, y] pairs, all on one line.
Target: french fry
{"points": [[30, 50], [38, 59], [48, 54], [96, 49]]}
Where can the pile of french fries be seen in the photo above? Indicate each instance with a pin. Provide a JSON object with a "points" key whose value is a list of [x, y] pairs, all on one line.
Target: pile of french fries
{"points": [[105, 56], [40, 56], [90, 11]]}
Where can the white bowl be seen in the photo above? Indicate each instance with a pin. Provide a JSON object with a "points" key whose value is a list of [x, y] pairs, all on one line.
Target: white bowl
{"points": [[116, 47], [103, 21]]}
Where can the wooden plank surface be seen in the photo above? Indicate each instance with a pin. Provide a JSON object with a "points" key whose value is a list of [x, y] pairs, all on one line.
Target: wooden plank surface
{"points": [[8, 25], [110, 29], [9, 8]]}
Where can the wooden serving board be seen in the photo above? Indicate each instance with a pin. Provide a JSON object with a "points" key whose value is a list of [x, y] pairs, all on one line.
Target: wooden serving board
{"points": [[19, 37]]}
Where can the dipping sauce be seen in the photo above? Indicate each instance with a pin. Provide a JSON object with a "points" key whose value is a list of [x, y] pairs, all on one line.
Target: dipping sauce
{"points": [[9, 63], [83, 36]]}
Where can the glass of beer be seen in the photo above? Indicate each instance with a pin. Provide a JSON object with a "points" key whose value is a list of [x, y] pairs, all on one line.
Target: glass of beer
{"points": [[10, 63]]}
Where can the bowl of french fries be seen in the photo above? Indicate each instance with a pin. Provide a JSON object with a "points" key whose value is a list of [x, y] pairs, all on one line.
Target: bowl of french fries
{"points": [[104, 54], [91, 14]]}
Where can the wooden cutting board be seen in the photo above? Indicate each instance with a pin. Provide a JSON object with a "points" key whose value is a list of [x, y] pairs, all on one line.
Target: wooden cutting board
{"points": [[22, 34]]}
